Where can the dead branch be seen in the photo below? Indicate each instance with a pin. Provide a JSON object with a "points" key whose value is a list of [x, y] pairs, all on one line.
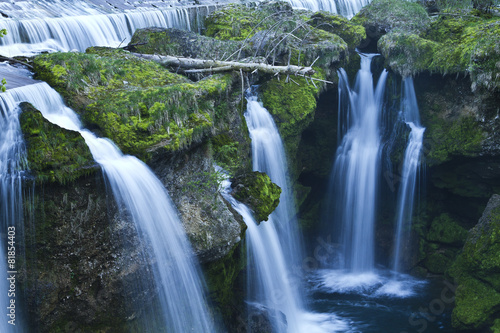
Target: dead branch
{"points": [[217, 65]]}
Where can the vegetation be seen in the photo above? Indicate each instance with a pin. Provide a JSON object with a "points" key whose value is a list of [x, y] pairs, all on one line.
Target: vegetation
{"points": [[136, 103], [464, 42], [477, 271], [258, 192], [54, 154]]}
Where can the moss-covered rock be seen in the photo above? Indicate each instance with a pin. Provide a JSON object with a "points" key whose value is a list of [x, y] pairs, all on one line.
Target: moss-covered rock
{"points": [[447, 231], [477, 272], [136, 103], [182, 43], [225, 285], [240, 22], [382, 16], [455, 43], [349, 31], [256, 190], [292, 107], [280, 35], [54, 153]]}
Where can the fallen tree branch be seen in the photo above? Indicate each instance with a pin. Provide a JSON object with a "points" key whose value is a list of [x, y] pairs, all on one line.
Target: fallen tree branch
{"points": [[217, 65], [16, 61]]}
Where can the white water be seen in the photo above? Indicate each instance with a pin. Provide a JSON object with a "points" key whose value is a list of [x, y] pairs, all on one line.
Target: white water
{"points": [[410, 170], [270, 281], [142, 195], [356, 167], [347, 8], [89, 27], [274, 247], [38, 26], [12, 162]]}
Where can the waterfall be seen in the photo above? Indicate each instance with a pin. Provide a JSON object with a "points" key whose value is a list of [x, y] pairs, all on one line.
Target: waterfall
{"points": [[138, 192], [29, 36], [274, 246], [410, 170], [356, 167], [12, 164], [347, 8]]}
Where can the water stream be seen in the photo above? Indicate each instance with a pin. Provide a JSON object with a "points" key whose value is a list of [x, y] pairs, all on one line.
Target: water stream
{"points": [[410, 171], [357, 165], [137, 191]]}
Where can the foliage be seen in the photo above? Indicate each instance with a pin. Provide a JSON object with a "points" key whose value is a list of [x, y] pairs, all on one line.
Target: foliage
{"points": [[226, 153], [277, 33], [54, 154]]}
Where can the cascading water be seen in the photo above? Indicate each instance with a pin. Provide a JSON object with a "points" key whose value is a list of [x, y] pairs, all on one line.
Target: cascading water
{"points": [[274, 247], [347, 8], [12, 164], [410, 170], [356, 166], [141, 194], [34, 35]]}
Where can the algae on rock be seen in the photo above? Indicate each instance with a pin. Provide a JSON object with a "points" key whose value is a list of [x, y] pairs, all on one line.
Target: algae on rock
{"points": [[258, 192], [138, 104], [477, 272], [54, 154]]}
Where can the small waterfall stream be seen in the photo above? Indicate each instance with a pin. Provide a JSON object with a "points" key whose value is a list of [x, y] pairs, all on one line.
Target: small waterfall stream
{"points": [[410, 171], [29, 36], [274, 246], [356, 168], [12, 166], [138, 191], [347, 8]]}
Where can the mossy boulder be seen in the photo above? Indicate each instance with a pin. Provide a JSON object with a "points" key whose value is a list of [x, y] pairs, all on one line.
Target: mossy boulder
{"points": [[138, 104], [54, 154], [382, 16], [456, 43], [175, 42], [280, 35], [477, 272], [292, 106], [239, 22], [447, 231], [256, 190], [349, 31]]}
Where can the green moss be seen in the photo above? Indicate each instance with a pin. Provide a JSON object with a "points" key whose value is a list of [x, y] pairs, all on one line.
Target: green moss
{"points": [[446, 139], [136, 103], [350, 32], [390, 14], [447, 231], [407, 53], [222, 279], [477, 271], [239, 22], [256, 190], [292, 107], [437, 263], [452, 44], [475, 303], [54, 154], [496, 326]]}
